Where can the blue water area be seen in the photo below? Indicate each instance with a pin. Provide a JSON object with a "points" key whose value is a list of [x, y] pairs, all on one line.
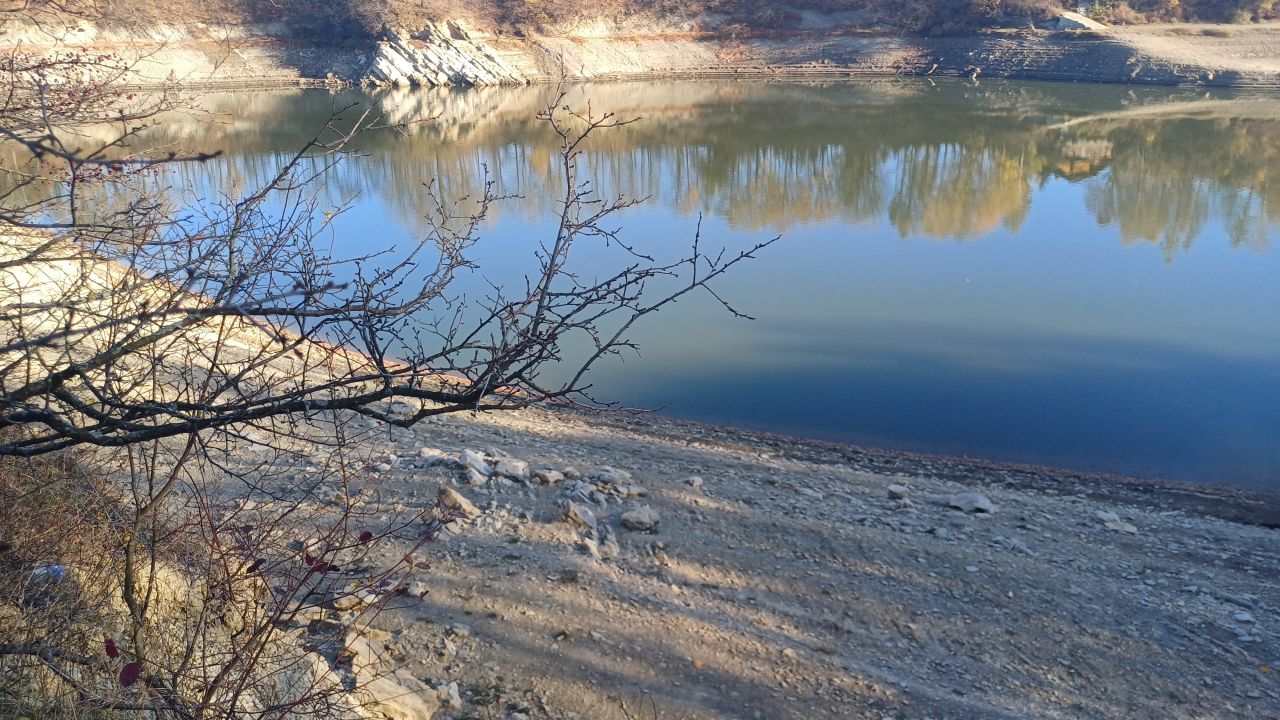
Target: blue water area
{"points": [[1075, 276]]}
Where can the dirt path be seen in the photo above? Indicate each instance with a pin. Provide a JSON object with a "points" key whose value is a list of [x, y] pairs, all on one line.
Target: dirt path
{"points": [[787, 584], [1246, 49]]}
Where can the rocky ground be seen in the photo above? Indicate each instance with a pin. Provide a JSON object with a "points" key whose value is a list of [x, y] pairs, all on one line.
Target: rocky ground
{"points": [[456, 53], [624, 567]]}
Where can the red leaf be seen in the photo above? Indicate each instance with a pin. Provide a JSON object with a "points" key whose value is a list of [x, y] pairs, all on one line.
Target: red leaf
{"points": [[113, 652], [366, 536], [130, 673]]}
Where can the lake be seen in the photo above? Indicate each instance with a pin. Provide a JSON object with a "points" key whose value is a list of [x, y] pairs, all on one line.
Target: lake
{"points": [[1067, 275]]}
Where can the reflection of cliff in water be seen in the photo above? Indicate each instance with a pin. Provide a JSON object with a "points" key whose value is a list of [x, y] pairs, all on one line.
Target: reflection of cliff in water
{"points": [[947, 161]]}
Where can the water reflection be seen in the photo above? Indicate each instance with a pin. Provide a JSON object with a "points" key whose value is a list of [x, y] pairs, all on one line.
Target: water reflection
{"points": [[1113, 304], [939, 160]]}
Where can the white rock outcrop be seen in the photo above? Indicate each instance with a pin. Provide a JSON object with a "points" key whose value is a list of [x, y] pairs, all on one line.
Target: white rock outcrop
{"points": [[1075, 21], [439, 55]]}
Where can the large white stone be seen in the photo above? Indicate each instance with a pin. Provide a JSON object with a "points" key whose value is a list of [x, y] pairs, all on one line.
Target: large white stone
{"points": [[1068, 20]]}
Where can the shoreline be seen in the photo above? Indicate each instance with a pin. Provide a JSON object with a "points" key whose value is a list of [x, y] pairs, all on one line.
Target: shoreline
{"points": [[1248, 505], [803, 580], [614, 565], [451, 53]]}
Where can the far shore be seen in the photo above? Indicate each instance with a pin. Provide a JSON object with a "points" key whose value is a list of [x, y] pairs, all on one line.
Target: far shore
{"points": [[454, 54]]}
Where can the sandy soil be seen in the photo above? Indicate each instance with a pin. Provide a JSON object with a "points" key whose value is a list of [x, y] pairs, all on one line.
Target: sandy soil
{"points": [[1247, 48], [787, 584], [261, 56]]}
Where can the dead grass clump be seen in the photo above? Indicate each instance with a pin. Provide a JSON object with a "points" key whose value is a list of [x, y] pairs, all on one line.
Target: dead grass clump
{"points": [[59, 559]]}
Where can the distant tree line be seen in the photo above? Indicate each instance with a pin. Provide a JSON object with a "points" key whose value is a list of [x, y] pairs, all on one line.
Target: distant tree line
{"points": [[357, 20]]}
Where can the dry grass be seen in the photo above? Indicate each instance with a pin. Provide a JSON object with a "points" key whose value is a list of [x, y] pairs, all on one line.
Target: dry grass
{"points": [[336, 19]]}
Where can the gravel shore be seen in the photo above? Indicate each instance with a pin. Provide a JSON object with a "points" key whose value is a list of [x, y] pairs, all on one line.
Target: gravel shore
{"points": [[635, 567]]}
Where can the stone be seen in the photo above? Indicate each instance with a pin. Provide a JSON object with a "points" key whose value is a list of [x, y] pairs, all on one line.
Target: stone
{"points": [[447, 649], [512, 468], [417, 589], [576, 514], [382, 467], [1112, 521], [475, 461], [898, 492], [694, 482], [1068, 20], [641, 519], [548, 477], [449, 695], [971, 502], [1244, 617], [391, 698], [432, 455], [629, 491], [475, 479], [610, 548], [348, 602], [606, 475], [457, 502], [366, 655]]}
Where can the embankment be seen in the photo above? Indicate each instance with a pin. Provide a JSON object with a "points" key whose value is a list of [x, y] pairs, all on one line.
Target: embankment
{"points": [[455, 53]]}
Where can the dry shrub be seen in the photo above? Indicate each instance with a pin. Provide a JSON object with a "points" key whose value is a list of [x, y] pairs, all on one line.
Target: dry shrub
{"points": [[1123, 14], [202, 621], [351, 20], [59, 566]]}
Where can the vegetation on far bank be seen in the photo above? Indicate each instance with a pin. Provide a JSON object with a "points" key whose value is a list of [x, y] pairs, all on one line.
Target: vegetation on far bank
{"points": [[363, 18]]}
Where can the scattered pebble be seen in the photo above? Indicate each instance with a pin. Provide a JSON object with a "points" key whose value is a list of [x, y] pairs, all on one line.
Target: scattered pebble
{"points": [[641, 519], [457, 502], [971, 502], [576, 514], [475, 461]]}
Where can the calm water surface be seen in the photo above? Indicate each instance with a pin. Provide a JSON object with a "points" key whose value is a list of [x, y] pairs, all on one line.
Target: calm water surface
{"points": [[1078, 276]]}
